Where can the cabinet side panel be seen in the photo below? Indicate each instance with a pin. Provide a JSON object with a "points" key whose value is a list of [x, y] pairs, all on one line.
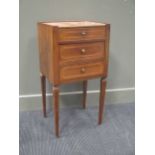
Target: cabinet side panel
{"points": [[42, 40], [45, 35]]}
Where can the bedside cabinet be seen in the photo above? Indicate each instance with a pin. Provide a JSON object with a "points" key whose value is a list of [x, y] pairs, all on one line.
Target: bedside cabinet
{"points": [[71, 52]]}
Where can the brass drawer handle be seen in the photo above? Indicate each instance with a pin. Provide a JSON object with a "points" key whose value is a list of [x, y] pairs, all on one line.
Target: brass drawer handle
{"points": [[83, 51], [83, 70], [83, 33]]}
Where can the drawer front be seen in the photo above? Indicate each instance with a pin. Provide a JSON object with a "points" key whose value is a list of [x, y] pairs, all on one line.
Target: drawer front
{"points": [[78, 51], [87, 33], [77, 72]]}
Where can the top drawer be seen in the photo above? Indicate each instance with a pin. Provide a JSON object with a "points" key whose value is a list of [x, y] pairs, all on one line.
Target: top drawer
{"points": [[84, 33]]}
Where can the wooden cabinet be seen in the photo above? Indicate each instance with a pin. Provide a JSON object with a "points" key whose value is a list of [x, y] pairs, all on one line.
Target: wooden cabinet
{"points": [[70, 52]]}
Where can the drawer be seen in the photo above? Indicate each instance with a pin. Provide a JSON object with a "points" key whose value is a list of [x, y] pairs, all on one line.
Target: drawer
{"points": [[85, 33], [80, 71], [85, 50]]}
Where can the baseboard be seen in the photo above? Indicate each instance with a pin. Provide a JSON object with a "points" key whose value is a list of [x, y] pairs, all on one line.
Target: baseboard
{"points": [[113, 96]]}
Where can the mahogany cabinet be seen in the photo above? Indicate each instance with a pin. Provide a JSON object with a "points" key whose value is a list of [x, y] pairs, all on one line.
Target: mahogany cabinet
{"points": [[71, 52]]}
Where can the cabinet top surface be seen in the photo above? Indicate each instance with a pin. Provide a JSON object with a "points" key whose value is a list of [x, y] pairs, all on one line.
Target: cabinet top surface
{"points": [[74, 24]]}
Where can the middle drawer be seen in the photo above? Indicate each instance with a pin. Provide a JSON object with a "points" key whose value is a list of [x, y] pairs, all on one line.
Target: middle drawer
{"points": [[84, 50]]}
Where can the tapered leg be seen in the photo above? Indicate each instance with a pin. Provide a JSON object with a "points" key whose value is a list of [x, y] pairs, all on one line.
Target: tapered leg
{"points": [[43, 88], [102, 97], [56, 109], [84, 93]]}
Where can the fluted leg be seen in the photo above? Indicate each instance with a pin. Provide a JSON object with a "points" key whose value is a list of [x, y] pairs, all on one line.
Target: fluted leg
{"points": [[43, 89], [102, 98], [56, 109], [84, 93]]}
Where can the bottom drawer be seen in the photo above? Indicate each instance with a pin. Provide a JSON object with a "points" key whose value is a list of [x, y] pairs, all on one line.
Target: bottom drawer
{"points": [[80, 71]]}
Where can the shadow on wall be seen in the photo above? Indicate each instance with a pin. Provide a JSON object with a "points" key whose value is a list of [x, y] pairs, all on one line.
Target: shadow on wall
{"points": [[67, 100], [112, 68]]}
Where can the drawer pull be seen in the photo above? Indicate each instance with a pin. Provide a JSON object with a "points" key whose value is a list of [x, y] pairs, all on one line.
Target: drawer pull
{"points": [[83, 70], [83, 51], [83, 33]]}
